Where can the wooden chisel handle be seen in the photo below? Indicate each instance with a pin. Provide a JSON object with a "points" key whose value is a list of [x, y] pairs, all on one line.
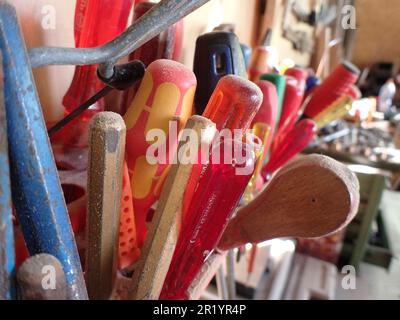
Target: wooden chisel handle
{"points": [[106, 159]]}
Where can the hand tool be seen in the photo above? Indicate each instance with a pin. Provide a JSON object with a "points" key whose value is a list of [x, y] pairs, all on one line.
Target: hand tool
{"points": [[300, 75], [332, 88], [166, 13], [166, 45], [36, 190], [221, 284], [217, 54], [164, 100], [290, 110], [262, 131], [266, 115], [106, 155], [310, 197], [218, 192], [96, 22], [295, 141], [151, 269], [264, 58], [7, 255], [335, 111], [280, 83], [41, 277], [128, 251], [247, 52], [233, 105]]}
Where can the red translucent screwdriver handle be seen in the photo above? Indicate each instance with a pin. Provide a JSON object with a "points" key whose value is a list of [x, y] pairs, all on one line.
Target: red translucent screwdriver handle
{"points": [[295, 141], [218, 193]]}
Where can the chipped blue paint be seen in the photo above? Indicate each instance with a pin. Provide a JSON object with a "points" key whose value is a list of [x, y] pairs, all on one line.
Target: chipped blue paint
{"points": [[7, 255], [36, 190]]}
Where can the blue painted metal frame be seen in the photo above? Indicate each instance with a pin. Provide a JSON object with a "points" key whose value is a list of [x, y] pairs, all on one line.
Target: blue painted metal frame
{"points": [[7, 255], [36, 190]]}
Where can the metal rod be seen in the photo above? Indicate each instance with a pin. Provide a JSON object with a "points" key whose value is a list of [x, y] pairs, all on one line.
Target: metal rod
{"points": [[106, 157], [36, 190], [64, 121], [221, 283], [7, 256], [230, 274], [164, 14]]}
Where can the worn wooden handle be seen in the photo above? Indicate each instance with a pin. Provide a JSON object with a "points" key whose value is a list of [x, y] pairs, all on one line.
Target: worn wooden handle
{"points": [[311, 197], [106, 158], [151, 269]]}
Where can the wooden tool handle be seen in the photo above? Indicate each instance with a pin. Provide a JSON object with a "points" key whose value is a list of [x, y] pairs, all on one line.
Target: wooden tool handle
{"points": [[41, 277], [311, 197], [152, 267], [106, 159]]}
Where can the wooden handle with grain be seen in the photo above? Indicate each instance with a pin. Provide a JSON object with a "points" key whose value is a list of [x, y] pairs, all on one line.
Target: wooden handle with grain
{"points": [[310, 197], [106, 159], [151, 269]]}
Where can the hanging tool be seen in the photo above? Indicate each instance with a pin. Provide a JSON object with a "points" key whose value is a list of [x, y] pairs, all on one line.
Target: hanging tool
{"points": [[295, 141], [333, 87], [217, 54], [163, 102], [36, 190], [264, 58], [106, 157], [218, 193], [151, 269], [7, 255], [41, 277]]}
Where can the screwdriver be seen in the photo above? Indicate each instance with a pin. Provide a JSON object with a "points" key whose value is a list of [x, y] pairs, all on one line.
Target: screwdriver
{"points": [[233, 105], [267, 113], [335, 111], [96, 22], [280, 83], [290, 110], [295, 141], [163, 102], [264, 58], [219, 191], [217, 54], [333, 87]]}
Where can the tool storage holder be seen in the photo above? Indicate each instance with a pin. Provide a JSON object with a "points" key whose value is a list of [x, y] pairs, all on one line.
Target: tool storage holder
{"points": [[36, 190]]}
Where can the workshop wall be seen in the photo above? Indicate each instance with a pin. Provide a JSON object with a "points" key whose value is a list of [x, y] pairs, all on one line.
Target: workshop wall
{"points": [[371, 44]]}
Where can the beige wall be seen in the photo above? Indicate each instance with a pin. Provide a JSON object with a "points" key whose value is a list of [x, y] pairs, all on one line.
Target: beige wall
{"points": [[378, 32], [52, 82]]}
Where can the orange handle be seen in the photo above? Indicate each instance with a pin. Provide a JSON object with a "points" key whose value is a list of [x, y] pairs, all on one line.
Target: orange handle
{"points": [[128, 251]]}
